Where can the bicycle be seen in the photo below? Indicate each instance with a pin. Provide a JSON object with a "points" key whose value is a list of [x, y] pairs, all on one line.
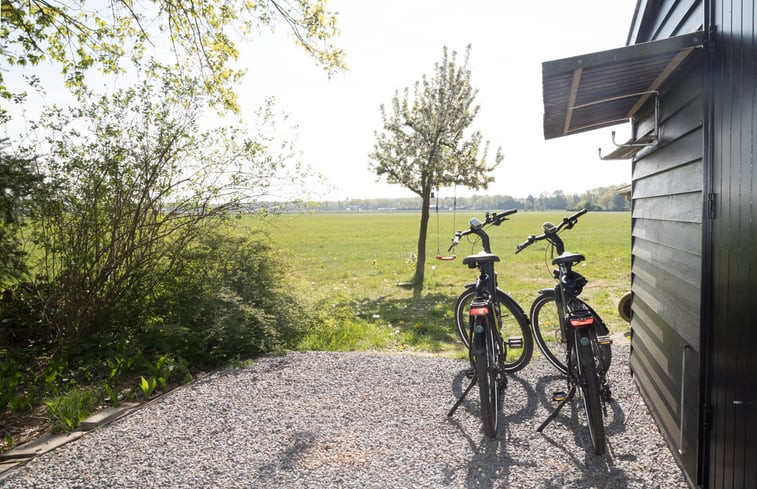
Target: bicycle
{"points": [[482, 313], [571, 335]]}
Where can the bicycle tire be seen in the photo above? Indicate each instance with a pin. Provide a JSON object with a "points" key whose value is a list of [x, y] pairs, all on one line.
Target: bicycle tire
{"points": [[485, 360], [514, 323], [589, 383], [551, 341]]}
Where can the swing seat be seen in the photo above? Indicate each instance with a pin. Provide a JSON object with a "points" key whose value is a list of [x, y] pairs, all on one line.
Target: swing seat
{"points": [[446, 258]]}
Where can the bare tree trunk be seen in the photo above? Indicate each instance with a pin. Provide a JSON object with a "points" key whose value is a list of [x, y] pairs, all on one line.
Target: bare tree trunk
{"points": [[420, 264]]}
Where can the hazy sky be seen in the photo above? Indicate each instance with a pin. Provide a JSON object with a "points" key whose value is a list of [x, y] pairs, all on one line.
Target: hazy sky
{"points": [[390, 44]]}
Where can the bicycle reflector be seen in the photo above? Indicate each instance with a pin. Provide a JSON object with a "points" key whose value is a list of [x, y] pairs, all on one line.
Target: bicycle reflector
{"points": [[479, 311], [578, 322]]}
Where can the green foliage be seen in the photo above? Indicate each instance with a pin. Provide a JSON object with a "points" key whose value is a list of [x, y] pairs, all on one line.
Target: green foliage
{"points": [[201, 36], [69, 410], [114, 395], [133, 182], [424, 143], [148, 386], [227, 300], [17, 183], [597, 199], [11, 374]]}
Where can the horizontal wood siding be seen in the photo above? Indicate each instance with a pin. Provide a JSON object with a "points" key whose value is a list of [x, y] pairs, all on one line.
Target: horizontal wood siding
{"points": [[733, 436], [667, 217]]}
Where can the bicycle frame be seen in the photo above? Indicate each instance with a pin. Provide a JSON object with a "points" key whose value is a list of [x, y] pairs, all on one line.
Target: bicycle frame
{"points": [[484, 323], [585, 358], [485, 302]]}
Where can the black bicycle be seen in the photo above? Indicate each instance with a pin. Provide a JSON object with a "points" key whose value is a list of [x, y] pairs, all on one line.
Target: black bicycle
{"points": [[483, 315], [571, 335]]}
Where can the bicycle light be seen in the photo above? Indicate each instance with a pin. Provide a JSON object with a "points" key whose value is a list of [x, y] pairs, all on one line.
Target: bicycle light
{"points": [[577, 323], [479, 311]]}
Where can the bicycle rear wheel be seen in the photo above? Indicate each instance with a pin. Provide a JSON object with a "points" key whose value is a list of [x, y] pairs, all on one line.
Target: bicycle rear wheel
{"points": [[549, 337], [486, 352], [514, 324], [590, 390]]}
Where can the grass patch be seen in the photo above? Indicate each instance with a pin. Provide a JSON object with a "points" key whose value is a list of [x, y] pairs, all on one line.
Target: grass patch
{"points": [[349, 265]]}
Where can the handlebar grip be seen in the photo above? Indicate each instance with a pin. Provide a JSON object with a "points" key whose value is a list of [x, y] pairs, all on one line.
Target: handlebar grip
{"points": [[455, 242], [577, 215], [498, 219], [525, 244]]}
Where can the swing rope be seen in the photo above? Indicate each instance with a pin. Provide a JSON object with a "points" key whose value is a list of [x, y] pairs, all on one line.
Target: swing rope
{"points": [[439, 255]]}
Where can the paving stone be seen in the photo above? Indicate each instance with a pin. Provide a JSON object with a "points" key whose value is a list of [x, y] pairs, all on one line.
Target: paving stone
{"points": [[105, 416], [39, 446], [7, 465]]}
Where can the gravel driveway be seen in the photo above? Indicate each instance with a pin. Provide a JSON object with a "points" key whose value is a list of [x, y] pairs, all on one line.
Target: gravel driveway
{"points": [[362, 420]]}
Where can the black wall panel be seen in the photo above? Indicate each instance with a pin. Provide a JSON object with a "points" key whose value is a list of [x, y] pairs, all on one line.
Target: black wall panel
{"points": [[733, 382]]}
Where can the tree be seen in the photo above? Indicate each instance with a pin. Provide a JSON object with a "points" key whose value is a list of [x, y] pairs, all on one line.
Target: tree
{"points": [[17, 183], [201, 35], [423, 145], [134, 183]]}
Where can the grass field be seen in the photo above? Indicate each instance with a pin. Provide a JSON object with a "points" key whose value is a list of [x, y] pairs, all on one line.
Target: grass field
{"points": [[348, 267]]}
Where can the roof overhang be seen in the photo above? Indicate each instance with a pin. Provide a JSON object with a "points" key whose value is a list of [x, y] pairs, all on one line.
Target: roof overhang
{"points": [[608, 87]]}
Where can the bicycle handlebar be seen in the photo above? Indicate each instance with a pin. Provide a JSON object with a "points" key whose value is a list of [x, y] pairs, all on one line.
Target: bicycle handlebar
{"points": [[550, 231], [477, 227]]}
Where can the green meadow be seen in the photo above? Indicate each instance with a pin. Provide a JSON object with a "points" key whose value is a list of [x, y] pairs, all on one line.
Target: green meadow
{"points": [[349, 268]]}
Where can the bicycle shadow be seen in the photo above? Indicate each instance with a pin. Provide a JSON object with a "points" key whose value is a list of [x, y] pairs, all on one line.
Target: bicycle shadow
{"points": [[491, 463], [591, 468], [566, 438]]}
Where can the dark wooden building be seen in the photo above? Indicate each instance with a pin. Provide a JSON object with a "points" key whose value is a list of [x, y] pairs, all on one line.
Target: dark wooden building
{"points": [[686, 81]]}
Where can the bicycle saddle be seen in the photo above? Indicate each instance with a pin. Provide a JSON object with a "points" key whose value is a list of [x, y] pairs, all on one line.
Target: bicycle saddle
{"points": [[568, 258], [480, 257]]}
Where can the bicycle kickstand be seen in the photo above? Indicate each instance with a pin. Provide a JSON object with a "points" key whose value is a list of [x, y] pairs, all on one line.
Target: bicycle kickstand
{"points": [[552, 416], [460, 400]]}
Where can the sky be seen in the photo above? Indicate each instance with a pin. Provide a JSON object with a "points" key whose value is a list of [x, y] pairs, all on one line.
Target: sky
{"points": [[391, 44]]}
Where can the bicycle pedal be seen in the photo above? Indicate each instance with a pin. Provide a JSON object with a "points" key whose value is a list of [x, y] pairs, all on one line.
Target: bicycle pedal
{"points": [[559, 396], [604, 340], [515, 342], [470, 373]]}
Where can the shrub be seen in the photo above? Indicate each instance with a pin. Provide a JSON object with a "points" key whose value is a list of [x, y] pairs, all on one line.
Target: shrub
{"points": [[230, 299]]}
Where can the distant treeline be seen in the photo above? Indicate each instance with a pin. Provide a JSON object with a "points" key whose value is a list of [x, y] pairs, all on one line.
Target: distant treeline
{"points": [[598, 199]]}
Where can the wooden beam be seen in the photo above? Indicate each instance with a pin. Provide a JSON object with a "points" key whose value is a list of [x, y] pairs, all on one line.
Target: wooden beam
{"points": [[572, 98], [664, 74]]}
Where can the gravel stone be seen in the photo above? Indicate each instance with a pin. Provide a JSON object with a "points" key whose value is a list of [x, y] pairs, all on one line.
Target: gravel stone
{"points": [[362, 420]]}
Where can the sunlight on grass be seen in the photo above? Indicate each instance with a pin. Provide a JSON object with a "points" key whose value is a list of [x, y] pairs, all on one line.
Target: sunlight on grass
{"points": [[349, 265]]}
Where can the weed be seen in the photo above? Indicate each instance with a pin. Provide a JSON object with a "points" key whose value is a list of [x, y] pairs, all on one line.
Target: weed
{"points": [[148, 386], [67, 411], [114, 395]]}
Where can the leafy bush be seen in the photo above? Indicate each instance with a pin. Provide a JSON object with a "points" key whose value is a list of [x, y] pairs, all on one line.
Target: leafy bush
{"points": [[228, 300]]}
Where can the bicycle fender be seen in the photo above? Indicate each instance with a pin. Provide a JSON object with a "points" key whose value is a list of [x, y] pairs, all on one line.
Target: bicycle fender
{"points": [[546, 291], [479, 342], [583, 340]]}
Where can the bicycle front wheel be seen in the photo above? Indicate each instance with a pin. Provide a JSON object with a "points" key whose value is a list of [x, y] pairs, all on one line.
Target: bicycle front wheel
{"points": [[514, 324], [590, 385], [550, 338], [486, 352]]}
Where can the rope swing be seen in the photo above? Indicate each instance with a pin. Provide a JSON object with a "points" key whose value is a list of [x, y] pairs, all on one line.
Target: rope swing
{"points": [[439, 255]]}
